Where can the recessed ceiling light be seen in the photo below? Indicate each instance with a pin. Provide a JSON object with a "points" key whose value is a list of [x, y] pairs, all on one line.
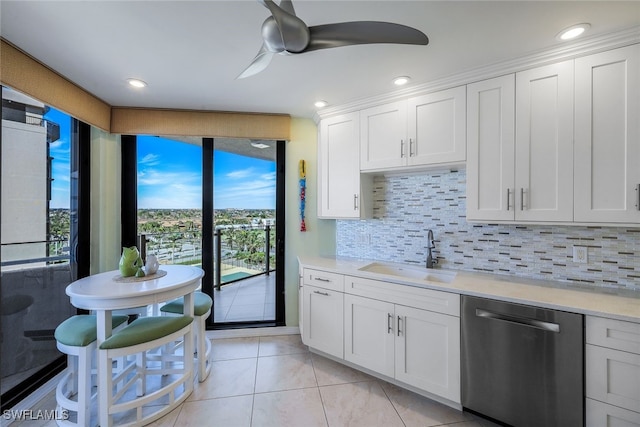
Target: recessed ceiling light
{"points": [[321, 104], [572, 32], [137, 83], [402, 80], [259, 145]]}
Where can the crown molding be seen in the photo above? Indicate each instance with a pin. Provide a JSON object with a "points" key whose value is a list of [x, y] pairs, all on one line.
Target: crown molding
{"points": [[585, 46]]}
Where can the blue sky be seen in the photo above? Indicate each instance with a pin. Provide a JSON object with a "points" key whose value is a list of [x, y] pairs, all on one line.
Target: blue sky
{"points": [[170, 174], [170, 177], [60, 151]]}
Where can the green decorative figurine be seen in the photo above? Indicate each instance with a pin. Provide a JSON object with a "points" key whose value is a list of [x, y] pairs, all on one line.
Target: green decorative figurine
{"points": [[131, 263]]}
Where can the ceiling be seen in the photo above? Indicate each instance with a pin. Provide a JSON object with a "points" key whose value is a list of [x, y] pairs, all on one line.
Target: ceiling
{"points": [[190, 52]]}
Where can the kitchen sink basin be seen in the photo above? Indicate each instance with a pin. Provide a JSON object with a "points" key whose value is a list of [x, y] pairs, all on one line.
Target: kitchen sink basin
{"points": [[409, 272]]}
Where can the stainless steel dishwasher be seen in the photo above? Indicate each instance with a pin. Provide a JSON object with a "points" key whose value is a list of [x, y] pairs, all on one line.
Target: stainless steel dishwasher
{"points": [[522, 365]]}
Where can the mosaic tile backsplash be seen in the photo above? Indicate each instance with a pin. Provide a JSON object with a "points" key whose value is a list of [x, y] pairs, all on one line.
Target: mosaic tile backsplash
{"points": [[406, 206]]}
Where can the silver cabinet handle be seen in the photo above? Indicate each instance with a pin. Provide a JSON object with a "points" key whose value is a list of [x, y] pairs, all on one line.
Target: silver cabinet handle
{"points": [[638, 191], [321, 279], [410, 147], [508, 198], [326, 294], [522, 321], [521, 198], [399, 320], [389, 321], [355, 202], [401, 148]]}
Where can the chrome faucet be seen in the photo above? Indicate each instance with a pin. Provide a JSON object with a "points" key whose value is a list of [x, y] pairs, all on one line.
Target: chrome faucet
{"points": [[430, 245]]}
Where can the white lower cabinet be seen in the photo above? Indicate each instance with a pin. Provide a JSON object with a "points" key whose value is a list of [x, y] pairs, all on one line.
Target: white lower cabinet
{"points": [[600, 414], [612, 360], [323, 327], [427, 351], [417, 347], [369, 333]]}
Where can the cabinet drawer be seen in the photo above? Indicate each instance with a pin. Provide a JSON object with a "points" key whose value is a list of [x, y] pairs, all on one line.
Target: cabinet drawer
{"points": [[600, 414], [410, 296], [615, 334], [613, 377], [324, 279]]}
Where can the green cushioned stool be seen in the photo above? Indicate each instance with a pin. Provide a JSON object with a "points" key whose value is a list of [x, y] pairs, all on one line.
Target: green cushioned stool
{"points": [[76, 337], [202, 310], [146, 335]]}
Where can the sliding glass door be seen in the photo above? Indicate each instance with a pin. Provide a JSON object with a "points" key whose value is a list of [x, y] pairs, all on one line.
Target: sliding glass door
{"points": [[41, 221], [213, 203]]}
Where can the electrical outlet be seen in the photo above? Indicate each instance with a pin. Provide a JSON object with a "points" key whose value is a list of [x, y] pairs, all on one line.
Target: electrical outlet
{"points": [[580, 254]]}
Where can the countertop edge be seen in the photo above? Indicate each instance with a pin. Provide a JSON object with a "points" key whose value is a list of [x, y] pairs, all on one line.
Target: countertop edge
{"points": [[544, 294]]}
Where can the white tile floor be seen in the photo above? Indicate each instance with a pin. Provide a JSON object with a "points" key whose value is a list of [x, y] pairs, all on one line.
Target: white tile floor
{"points": [[246, 300], [276, 381]]}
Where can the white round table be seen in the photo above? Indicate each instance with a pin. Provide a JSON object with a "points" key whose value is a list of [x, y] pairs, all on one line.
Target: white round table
{"points": [[102, 293]]}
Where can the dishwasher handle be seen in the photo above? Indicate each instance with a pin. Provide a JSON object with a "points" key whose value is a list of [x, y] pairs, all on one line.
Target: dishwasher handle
{"points": [[523, 321]]}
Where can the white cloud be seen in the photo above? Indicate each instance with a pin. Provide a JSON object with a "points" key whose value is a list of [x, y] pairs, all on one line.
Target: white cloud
{"points": [[240, 173], [150, 160]]}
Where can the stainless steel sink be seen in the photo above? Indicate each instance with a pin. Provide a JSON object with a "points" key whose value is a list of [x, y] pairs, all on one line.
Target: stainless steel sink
{"points": [[409, 272]]}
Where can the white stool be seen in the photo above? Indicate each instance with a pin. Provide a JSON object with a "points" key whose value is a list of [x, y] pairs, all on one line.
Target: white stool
{"points": [[76, 337], [202, 310], [141, 336]]}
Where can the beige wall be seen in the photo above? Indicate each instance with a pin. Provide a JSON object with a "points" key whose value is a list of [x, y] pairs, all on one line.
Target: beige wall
{"points": [[320, 237]]}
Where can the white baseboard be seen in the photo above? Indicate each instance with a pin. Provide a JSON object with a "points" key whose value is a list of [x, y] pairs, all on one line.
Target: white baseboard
{"points": [[253, 332]]}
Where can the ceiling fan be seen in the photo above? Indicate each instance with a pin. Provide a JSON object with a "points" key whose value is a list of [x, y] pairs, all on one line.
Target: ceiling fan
{"points": [[286, 34]]}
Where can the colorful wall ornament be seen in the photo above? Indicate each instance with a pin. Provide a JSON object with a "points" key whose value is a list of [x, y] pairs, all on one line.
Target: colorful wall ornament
{"points": [[302, 172]]}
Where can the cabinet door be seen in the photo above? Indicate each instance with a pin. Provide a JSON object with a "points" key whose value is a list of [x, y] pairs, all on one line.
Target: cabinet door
{"points": [[607, 140], [339, 170], [437, 127], [323, 326], [383, 136], [544, 143], [369, 334], [428, 351], [599, 414], [613, 377], [491, 149]]}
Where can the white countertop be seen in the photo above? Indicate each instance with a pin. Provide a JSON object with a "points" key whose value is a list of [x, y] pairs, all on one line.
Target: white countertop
{"points": [[595, 301]]}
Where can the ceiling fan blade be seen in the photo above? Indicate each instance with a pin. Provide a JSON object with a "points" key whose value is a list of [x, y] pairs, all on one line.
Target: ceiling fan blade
{"points": [[287, 6], [293, 31], [259, 63], [363, 32]]}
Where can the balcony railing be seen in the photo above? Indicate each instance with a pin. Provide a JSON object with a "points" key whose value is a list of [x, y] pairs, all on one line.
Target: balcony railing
{"points": [[41, 251], [240, 251]]}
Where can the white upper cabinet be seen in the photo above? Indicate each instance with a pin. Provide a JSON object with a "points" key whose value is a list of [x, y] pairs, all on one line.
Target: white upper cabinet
{"points": [[339, 193], [607, 137], [437, 127], [383, 136], [544, 143], [491, 149], [423, 131]]}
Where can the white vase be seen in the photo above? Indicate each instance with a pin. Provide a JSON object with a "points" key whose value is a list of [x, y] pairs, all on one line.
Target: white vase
{"points": [[151, 265]]}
